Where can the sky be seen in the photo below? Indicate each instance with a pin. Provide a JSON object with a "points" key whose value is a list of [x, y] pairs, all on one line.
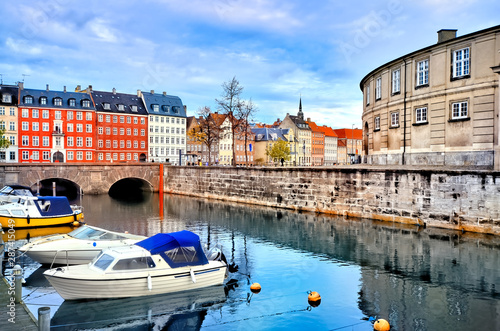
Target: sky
{"points": [[279, 51]]}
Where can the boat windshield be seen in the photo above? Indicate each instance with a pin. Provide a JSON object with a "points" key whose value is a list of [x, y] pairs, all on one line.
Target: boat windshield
{"points": [[7, 190], [103, 261], [86, 232], [143, 262]]}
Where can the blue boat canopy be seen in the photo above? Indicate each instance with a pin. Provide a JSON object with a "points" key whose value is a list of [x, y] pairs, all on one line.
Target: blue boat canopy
{"points": [[179, 249], [53, 206]]}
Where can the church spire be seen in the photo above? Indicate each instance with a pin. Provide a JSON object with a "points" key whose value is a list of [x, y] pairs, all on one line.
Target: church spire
{"points": [[300, 114]]}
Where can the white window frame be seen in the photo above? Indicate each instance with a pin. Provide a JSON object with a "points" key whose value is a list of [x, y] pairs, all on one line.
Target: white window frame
{"points": [[394, 119], [421, 115], [367, 93], [461, 62], [377, 123], [459, 110], [378, 88], [423, 72], [396, 81]]}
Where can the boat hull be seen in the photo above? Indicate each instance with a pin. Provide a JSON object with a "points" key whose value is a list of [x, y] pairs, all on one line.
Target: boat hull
{"points": [[75, 285], [33, 222]]}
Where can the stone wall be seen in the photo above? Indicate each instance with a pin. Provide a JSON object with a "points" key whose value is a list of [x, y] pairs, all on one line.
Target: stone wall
{"points": [[459, 200]]}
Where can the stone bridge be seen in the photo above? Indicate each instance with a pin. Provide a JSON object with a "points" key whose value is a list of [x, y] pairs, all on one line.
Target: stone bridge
{"points": [[90, 178]]}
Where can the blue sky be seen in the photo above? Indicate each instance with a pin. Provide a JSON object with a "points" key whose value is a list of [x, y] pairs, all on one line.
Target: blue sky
{"points": [[278, 50]]}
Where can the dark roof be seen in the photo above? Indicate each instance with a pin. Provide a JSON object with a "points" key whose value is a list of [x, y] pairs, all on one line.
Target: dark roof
{"points": [[428, 48], [51, 95], [270, 134], [9, 90], [299, 122], [115, 99], [166, 104]]}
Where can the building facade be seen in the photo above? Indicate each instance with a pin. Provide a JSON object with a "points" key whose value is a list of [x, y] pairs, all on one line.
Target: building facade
{"points": [[302, 133], [9, 123], [436, 106], [317, 144]]}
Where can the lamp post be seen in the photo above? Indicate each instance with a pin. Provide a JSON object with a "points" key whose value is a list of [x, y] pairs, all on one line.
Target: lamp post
{"points": [[352, 144]]}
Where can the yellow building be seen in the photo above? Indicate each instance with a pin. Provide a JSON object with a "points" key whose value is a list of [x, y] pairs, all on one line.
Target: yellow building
{"points": [[8, 122]]}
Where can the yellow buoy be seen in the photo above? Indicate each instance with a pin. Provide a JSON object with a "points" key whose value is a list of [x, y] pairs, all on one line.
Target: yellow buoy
{"points": [[314, 299], [76, 223], [381, 325], [255, 288]]}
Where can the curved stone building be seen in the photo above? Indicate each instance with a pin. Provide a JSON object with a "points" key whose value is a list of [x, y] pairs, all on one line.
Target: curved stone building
{"points": [[436, 106]]}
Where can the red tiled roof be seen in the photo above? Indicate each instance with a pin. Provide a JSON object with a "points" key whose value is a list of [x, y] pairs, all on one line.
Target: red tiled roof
{"points": [[349, 133]]}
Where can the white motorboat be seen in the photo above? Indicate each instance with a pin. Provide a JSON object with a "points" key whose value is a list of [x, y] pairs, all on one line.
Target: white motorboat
{"points": [[11, 193], [80, 246], [163, 263]]}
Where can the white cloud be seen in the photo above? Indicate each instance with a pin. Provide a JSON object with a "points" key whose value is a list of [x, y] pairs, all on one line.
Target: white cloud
{"points": [[23, 46], [102, 30]]}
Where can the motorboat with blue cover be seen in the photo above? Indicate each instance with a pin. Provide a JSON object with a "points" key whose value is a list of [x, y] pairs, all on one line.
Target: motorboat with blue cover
{"points": [[163, 263], [29, 212]]}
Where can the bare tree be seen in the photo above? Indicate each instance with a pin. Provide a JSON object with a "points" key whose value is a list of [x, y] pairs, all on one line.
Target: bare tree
{"points": [[245, 115], [229, 104], [208, 130]]}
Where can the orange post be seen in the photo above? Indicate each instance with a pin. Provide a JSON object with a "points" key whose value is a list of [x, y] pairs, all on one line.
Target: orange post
{"points": [[160, 191]]}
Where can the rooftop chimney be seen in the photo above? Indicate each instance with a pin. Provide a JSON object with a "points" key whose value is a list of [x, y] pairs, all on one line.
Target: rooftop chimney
{"points": [[64, 89], [164, 93], [47, 87], [446, 34], [308, 119], [21, 85], [90, 88], [114, 90], [152, 91], [139, 93], [78, 88]]}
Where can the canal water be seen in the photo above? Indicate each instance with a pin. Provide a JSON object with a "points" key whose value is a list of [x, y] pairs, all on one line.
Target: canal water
{"points": [[416, 278]]}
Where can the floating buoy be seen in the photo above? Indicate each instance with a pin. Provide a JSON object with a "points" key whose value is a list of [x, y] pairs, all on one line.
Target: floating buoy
{"points": [[314, 299], [255, 288], [76, 223], [381, 325]]}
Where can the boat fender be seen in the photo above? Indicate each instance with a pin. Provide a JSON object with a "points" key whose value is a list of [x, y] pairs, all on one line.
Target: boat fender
{"points": [[381, 325], [28, 219], [150, 283], [193, 278]]}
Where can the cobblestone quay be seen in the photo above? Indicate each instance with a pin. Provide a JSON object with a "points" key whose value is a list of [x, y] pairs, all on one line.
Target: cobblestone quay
{"points": [[464, 200]]}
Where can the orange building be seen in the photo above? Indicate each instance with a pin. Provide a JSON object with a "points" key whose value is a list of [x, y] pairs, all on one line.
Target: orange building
{"points": [[317, 144], [55, 126], [351, 140]]}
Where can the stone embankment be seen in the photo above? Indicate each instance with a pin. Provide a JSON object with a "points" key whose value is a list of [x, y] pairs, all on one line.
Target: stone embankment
{"points": [[464, 200]]}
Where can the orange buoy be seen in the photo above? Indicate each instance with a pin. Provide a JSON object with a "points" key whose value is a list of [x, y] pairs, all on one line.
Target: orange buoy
{"points": [[381, 325], [76, 223], [255, 288], [314, 299]]}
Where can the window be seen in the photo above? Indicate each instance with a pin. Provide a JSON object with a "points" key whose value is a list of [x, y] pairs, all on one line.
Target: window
{"points": [[45, 113], [79, 156], [79, 115], [35, 155], [367, 94], [461, 62], [70, 156], [143, 132], [135, 120], [45, 141], [396, 81], [122, 131], [34, 126], [421, 115], [115, 119], [28, 100], [57, 102], [143, 120], [108, 143], [106, 105], [100, 144], [108, 118], [378, 88], [100, 118], [115, 131], [46, 155], [25, 140], [459, 110], [129, 120], [100, 130], [25, 126], [45, 126], [26, 155], [12, 156], [88, 116], [69, 127], [79, 128], [69, 115], [25, 113], [86, 103], [122, 119], [34, 113], [6, 98], [12, 111], [88, 156], [79, 141], [423, 73], [89, 128], [394, 119], [134, 108], [108, 131], [58, 115], [89, 142], [43, 100], [70, 141], [121, 107], [72, 102], [156, 108], [12, 126]]}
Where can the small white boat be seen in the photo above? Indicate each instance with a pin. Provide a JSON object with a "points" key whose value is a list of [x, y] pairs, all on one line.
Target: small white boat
{"points": [[30, 212], [11, 193], [163, 263], [80, 246]]}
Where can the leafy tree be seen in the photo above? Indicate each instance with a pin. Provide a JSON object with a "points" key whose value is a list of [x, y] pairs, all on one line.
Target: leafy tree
{"points": [[4, 142], [278, 150]]}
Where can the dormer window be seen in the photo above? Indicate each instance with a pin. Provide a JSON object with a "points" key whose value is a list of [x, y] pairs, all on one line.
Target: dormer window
{"points": [[120, 107], [28, 100], [106, 106], [43, 100], [86, 103], [156, 108], [72, 102], [165, 108], [57, 102], [175, 109], [7, 98], [134, 108]]}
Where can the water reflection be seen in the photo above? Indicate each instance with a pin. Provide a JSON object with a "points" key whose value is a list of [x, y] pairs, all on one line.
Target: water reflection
{"points": [[418, 279]]}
